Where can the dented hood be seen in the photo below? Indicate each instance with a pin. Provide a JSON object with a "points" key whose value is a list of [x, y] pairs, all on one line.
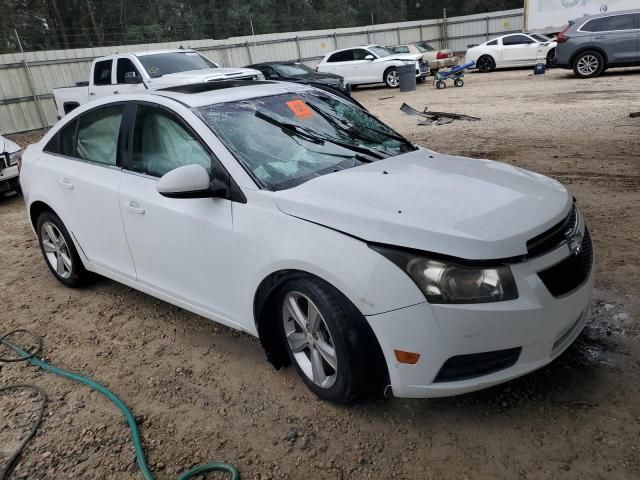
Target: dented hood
{"points": [[204, 75], [467, 208], [405, 57]]}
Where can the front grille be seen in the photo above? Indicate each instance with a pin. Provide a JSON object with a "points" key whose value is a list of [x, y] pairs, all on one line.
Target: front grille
{"points": [[464, 367], [552, 238], [570, 273]]}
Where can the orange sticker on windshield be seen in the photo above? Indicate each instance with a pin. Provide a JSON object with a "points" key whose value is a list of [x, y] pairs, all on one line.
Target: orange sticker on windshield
{"points": [[300, 109]]}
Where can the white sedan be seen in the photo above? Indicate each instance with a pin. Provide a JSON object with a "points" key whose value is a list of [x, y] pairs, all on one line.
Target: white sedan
{"points": [[515, 50], [291, 214], [371, 64]]}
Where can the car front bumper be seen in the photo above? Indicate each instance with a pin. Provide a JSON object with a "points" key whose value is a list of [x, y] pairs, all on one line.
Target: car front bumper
{"points": [[8, 176], [537, 325]]}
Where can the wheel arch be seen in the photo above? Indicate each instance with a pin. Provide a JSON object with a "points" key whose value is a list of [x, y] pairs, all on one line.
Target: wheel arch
{"points": [[265, 315], [36, 209], [589, 48]]}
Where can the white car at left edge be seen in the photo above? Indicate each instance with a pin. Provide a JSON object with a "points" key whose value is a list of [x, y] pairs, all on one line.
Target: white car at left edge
{"points": [[10, 155], [514, 50]]}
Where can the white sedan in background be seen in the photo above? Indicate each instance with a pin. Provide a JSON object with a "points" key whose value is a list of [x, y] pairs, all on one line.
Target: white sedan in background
{"points": [[371, 64], [291, 214], [515, 50]]}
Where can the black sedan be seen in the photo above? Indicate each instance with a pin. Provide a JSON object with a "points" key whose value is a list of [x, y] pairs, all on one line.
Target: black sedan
{"points": [[300, 73]]}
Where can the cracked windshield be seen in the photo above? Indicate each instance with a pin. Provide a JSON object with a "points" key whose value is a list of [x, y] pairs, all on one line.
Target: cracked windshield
{"points": [[285, 140]]}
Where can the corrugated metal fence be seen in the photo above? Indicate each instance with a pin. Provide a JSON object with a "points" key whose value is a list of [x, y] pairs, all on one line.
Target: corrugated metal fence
{"points": [[19, 110]]}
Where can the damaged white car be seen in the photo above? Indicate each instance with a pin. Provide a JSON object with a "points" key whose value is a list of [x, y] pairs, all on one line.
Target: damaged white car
{"points": [[372, 64], [291, 214], [10, 155]]}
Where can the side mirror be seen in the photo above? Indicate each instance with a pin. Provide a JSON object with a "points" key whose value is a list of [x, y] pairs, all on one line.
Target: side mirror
{"points": [[132, 78], [190, 181], [369, 57]]}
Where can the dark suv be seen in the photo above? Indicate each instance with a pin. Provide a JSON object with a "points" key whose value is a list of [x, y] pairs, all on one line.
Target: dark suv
{"points": [[591, 44]]}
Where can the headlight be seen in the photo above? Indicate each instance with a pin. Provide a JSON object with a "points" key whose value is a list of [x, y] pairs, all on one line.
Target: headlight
{"points": [[14, 157], [444, 281]]}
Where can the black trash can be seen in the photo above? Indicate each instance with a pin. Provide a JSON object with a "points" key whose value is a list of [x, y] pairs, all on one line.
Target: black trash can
{"points": [[407, 77]]}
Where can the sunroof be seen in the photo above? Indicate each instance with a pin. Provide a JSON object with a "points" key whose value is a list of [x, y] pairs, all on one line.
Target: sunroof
{"points": [[214, 85]]}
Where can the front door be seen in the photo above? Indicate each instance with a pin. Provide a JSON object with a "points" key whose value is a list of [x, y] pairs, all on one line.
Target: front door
{"points": [[519, 50], [181, 247]]}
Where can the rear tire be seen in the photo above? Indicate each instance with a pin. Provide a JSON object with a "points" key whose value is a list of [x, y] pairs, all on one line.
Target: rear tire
{"points": [[391, 77], [486, 64], [60, 253], [337, 355], [458, 82], [440, 84], [588, 64], [550, 56]]}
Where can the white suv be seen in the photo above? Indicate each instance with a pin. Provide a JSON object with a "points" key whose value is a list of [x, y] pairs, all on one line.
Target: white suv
{"points": [[10, 155], [292, 214], [371, 64]]}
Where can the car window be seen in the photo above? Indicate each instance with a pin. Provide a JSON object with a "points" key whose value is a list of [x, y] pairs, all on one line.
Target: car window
{"points": [[293, 69], [123, 67], [380, 52], [540, 38], [98, 132], [424, 47], [344, 56], [400, 49], [102, 72], [493, 42], [610, 24], [162, 143], [159, 64], [360, 54], [63, 142], [517, 40]]}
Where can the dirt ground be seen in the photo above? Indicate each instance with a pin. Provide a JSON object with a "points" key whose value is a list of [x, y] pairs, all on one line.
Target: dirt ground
{"points": [[203, 392]]}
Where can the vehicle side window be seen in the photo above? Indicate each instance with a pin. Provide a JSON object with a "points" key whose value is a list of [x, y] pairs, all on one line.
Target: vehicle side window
{"points": [[344, 56], [360, 54], [98, 132], [610, 24], [400, 49], [102, 72], [493, 42], [517, 40], [161, 143], [269, 72], [63, 142], [124, 67]]}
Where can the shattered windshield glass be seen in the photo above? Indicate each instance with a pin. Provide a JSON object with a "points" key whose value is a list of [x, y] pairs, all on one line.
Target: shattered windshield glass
{"points": [[285, 140]]}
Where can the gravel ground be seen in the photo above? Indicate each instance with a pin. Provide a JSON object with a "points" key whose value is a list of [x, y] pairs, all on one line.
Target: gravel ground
{"points": [[204, 392]]}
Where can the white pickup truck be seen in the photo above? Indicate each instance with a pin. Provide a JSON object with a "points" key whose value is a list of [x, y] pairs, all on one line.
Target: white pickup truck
{"points": [[130, 72]]}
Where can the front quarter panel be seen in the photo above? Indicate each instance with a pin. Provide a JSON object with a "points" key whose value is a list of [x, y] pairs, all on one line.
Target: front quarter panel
{"points": [[270, 241]]}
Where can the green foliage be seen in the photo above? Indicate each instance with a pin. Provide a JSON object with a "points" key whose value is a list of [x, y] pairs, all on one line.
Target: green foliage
{"points": [[52, 24]]}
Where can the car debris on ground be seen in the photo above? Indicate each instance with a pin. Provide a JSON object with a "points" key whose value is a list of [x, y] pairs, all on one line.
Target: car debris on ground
{"points": [[435, 118]]}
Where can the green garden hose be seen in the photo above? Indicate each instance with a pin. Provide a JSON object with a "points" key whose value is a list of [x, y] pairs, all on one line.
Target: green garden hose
{"points": [[131, 421]]}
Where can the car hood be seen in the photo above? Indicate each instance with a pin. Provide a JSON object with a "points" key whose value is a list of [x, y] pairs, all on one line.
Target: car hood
{"points": [[7, 146], [329, 78], [204, 75], [462, 207]]}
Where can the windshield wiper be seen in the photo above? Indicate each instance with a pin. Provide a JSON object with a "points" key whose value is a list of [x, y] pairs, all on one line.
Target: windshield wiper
{"points": [[319, 139], [352, 127]]}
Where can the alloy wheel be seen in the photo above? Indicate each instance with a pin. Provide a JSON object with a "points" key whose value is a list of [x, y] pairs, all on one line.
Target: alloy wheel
{"points": [[56, 250], [393, 79], [588, 65], [309, 339], [484, 64]]}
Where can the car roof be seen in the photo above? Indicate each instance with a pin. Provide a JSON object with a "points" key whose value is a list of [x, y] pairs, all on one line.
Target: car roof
{"points": [[201, 94], [606, 14], [283, 62], [357, 46]]}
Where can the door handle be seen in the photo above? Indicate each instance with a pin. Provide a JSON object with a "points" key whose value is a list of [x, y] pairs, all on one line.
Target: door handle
{"points": [[92, 93], [601, 37], [115, 92], [66, 183], [134, 207]]}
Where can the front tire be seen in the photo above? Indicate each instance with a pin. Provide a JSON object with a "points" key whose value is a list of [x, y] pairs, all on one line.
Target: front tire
{"points": [[550, 57], [60, 253], [328, 340], [588, 64], [392, 78], [486, 64]]}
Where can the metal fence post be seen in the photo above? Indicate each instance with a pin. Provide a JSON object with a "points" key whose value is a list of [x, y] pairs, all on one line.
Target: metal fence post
{"points": [[298, 47], [32, 87], [335, 40], [421, 33], [487, 27], [445, 33], [249, 52], [398, 32]]}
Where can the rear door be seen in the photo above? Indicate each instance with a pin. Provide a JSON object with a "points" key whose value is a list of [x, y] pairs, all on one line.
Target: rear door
{"points": [[617, 35], [82, 178], [341, 63], [103, 78]]}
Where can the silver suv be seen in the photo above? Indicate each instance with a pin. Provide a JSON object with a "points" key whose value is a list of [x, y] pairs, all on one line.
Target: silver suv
{"points": [[591, 44]]}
